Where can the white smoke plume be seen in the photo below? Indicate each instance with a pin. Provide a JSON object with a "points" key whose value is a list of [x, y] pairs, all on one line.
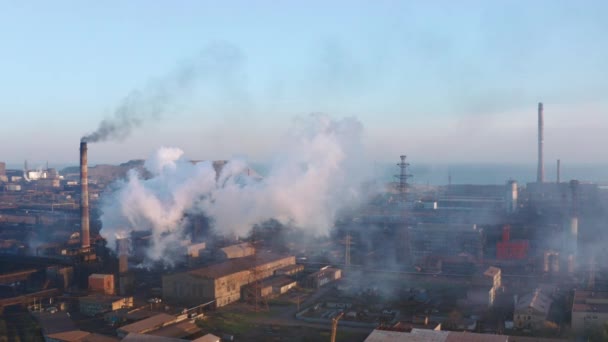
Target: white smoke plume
{"points": [[309, 182]]}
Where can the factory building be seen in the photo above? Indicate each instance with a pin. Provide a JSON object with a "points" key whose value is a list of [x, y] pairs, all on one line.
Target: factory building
{"points": [[97, 304], [236, 251], [194, 250], [589, 310], [532, 310], [322, 277], [101, 283], [222, 282], [290, 270], [508, 249], [485, 287], [445, 240], [147, 325]]}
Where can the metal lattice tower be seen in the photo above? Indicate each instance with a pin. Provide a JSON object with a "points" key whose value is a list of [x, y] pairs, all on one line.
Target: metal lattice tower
{"points": [[403, 177]]}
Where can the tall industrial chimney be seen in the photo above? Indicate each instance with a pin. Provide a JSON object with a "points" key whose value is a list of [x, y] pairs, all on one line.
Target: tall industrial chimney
{"points": [[84, 197], [559, 170], [540, 175], [122, 245]]}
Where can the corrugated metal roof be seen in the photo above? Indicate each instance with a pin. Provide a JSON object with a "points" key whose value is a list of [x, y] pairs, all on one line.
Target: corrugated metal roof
{"points": [[72, 335], [535, 300], [491, 271], [237, 265], [147, 324]]}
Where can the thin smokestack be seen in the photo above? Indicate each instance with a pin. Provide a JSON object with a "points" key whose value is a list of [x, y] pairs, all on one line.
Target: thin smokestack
{"points": [[540, 176], [123, 254], [559, 170], [84, 196]]}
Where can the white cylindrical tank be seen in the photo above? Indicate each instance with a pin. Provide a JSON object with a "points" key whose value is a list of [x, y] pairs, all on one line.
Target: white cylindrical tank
{"points": [[574, 227], [554, 263], [571, 263], [511, 196]]}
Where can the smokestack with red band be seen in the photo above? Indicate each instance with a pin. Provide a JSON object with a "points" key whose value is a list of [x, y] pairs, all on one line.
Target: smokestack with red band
{"points": [[84, 197], [540, 175]]}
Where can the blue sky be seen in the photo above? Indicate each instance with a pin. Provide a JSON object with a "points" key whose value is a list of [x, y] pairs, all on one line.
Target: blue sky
{"points": [[442, 81]]}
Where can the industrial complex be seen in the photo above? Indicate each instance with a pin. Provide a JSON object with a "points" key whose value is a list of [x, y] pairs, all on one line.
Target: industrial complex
{"points": [[412, 262]]}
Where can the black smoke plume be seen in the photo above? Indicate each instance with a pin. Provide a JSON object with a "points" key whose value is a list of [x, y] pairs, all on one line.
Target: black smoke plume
{"points": [[157, 99]]}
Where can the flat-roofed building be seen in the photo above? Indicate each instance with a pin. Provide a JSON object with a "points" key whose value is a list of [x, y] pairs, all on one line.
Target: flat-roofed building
{"points": [[147, 325], [222, 282], [322, 277], [589, 310], [179, 330], [290, 270], [97, 304]]}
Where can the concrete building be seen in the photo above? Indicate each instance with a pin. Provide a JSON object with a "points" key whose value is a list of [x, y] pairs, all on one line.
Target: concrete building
{"points": [[97, 304], [424, 335], [532, 310], [184, 329], [102, 283], [589, 310], [485, 287], [222, 282], [78, 336], [271, 287], [194, 250], [236, 251], [147, 325], [289, 270], [322, 277], [445, 240]]}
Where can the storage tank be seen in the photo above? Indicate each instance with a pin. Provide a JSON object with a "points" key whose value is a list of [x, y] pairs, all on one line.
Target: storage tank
{"points": [[571, 264], [511, 196]]}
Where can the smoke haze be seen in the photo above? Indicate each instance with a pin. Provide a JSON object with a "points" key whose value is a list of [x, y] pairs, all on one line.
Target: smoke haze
{"points": [[312, 178], [162, 95]]}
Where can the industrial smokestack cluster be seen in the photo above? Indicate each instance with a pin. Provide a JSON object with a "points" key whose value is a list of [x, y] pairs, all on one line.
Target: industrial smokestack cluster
{"points": [[540, 174], [84, 197]]}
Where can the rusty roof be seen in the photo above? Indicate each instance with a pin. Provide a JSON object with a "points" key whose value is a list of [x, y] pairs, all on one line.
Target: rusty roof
{"points": [[238, 265]]}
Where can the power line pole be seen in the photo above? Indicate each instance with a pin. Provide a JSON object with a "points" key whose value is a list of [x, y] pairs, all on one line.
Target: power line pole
{"points": [[403, 177]]}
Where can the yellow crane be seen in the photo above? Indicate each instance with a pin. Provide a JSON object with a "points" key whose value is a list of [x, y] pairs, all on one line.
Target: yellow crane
{"points": [[334, 326]]}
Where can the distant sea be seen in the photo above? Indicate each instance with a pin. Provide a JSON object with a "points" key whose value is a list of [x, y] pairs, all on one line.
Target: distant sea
{"points": [[437, 174]]}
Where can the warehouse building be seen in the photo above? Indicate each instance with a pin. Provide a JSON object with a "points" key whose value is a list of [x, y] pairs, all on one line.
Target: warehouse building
{"points": [[289, 270], [322, 277], [222, 282], [589, 310], [532, 310], [148, 325], [97, 304], [236, 251], [270, 287]]}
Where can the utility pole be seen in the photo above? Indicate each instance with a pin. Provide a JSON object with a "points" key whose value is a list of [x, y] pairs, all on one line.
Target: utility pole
{"points": [[334, 326], [347, 252]]}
